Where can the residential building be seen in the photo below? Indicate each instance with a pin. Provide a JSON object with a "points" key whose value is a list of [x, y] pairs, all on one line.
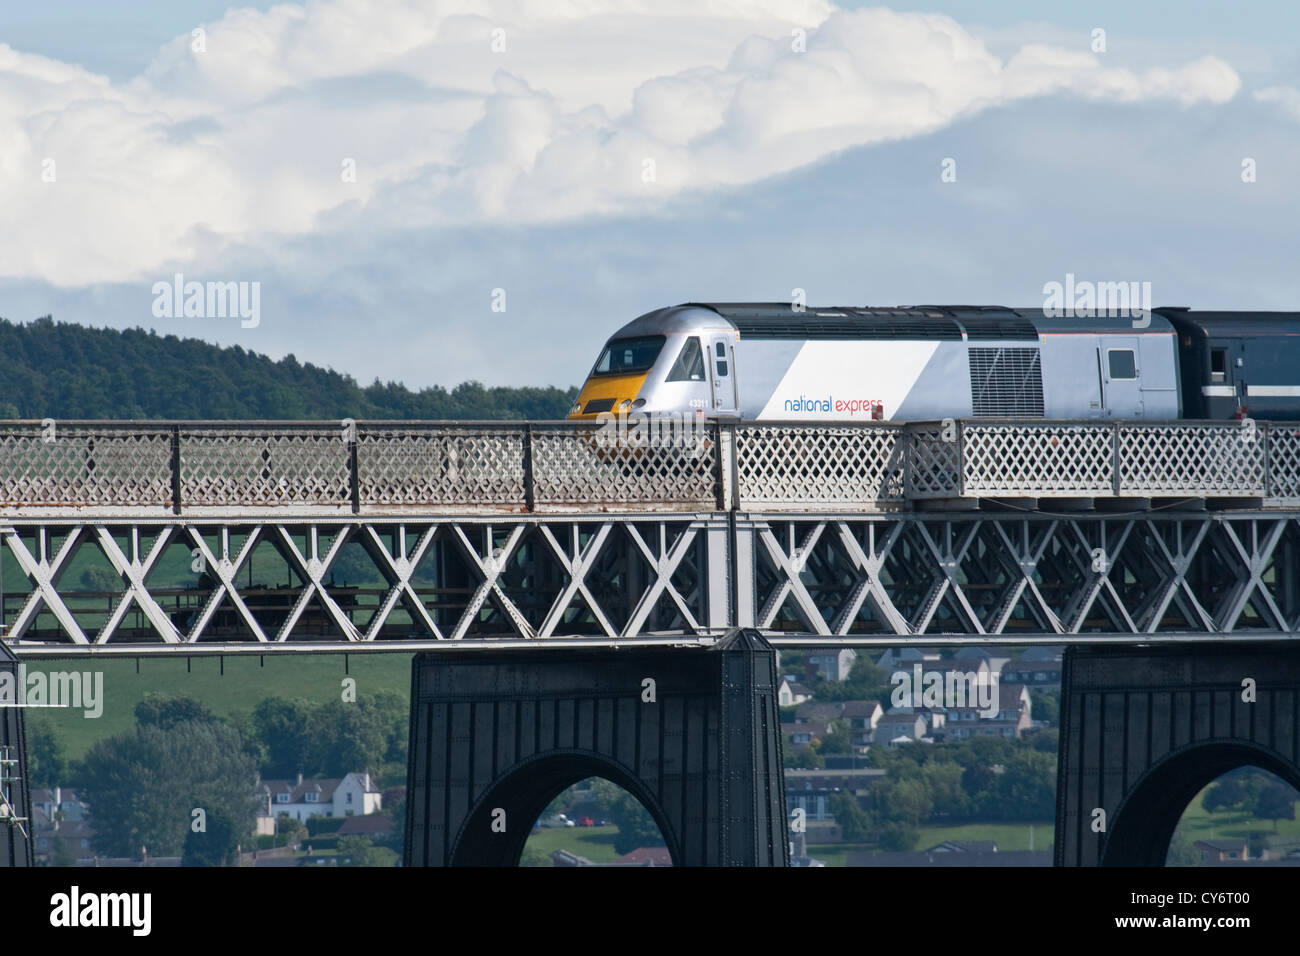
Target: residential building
{"points": [[1038, 674], [832, 663], [791, 693], [802, 734], [862, 717], [1013, 717], [352, 795], [1221, 851]]}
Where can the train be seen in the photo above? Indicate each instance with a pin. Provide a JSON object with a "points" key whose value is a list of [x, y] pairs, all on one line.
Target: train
{"points": [[735, 361]]}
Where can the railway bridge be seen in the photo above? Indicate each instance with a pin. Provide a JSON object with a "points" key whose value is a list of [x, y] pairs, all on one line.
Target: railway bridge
{"points": [[606, 600]]}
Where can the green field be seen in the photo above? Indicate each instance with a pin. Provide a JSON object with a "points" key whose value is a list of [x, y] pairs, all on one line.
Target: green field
{"points": [[1201, 825], [245, 682], [595, 843]]}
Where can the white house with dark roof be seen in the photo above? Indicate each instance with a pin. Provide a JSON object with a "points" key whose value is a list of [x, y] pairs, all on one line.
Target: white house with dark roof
{"points": [[352, 795], [792, 692], [833, 663]]}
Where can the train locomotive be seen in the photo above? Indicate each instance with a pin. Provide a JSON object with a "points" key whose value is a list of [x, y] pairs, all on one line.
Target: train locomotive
{"points": [[771, 362]]}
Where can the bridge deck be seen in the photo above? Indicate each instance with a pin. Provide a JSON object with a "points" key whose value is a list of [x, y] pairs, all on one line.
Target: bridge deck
{"points": [[229, 469]]}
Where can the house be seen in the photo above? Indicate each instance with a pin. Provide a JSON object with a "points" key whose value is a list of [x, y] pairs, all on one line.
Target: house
{"points": [[1013, 717], [820, 711], [1034, 673], [995, 657], [1221, 851], [899, 724], [374, 825], [862, 717], [791, 693], [896, 658], [60, 803], [811, 790], [353, 795], [833, 663], [802, 734]]}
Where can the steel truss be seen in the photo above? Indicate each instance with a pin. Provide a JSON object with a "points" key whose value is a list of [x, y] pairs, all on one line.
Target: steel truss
{"points": [[211, 585]]}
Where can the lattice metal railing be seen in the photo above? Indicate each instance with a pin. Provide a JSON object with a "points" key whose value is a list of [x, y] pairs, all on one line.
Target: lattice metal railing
{"points": [[805, 465], [1047, 459], [632, 465], [423, 465], [261, 466], [676, 466], [1219, 459], [79, 465]]}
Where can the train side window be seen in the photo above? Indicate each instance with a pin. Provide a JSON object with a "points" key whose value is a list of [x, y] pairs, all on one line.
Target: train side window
{"points": [[1122, 362], [1218, 365], [721, 364], [689, 366]]}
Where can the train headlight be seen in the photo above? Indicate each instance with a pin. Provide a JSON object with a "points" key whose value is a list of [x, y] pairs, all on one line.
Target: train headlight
{"points": [[575, 408], [624, 405], [640, 402]]}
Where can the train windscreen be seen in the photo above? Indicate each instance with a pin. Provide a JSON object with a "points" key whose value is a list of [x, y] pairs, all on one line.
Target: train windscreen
{"points": [[629, 356]]}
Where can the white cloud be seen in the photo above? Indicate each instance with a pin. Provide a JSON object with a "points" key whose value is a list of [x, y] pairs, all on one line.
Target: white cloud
{"points": [[1287, 99], [243, 143]]}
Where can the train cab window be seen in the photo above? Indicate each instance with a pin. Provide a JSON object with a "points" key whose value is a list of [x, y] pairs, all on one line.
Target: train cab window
{"points": [[1218, 365], [720, 349], [629, 356], [689, 366], [1122, 362]]}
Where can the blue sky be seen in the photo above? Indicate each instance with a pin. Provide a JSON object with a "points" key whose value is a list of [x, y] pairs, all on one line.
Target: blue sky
{"points": [[524, 169]]}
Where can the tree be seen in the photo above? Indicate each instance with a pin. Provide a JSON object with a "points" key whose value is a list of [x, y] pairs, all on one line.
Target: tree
{"points": [[47, 764], [143, 785], [904, 800], [357, 851], [855, 823], [1276, 801], [1226, 793], [838, 740], [898, 837], [636, 827], [1046, 705], [284, 730], [215, 845], [167, 710]]}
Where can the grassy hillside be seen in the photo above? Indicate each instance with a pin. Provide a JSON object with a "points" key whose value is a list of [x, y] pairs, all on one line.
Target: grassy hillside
{"points": [[245, 682], [62, 370]]}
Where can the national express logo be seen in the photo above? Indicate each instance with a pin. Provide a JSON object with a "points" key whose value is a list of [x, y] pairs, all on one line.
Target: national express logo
{"points": [[869, 407]]}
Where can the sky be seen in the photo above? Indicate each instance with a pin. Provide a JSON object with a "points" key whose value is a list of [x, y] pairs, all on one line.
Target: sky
{"points": [[433, 192]]}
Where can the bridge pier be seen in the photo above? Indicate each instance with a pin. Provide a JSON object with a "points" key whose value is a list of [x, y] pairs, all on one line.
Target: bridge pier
{"points": [[16, 844], [693, 733], [1143, 729]]}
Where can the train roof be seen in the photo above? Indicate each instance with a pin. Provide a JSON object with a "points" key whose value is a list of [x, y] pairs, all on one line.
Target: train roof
{"points": [[1213, 324], [779, 320]]}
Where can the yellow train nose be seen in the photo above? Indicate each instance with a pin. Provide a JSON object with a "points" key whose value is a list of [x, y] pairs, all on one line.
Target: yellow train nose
{"points": [[613, 393]]}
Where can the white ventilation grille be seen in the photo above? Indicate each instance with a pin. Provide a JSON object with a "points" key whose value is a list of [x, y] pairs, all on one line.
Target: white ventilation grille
{"points": [[1006, 383]]}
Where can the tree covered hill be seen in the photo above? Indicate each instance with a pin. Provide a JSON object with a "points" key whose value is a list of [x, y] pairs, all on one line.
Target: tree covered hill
{"points": [[62, 370]]}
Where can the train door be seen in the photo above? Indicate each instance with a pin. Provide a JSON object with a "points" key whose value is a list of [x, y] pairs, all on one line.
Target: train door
{"points": [[722, 373], [1120, 376], [1225, 392]]}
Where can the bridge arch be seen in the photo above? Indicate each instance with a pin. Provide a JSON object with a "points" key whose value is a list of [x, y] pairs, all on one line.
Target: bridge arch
{"points": [[692, 733], [525, 790], [1144, 728], [1144, 823]]}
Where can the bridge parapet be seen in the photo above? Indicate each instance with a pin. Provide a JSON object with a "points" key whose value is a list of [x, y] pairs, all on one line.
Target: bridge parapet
{"points": [[219, 468]]}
